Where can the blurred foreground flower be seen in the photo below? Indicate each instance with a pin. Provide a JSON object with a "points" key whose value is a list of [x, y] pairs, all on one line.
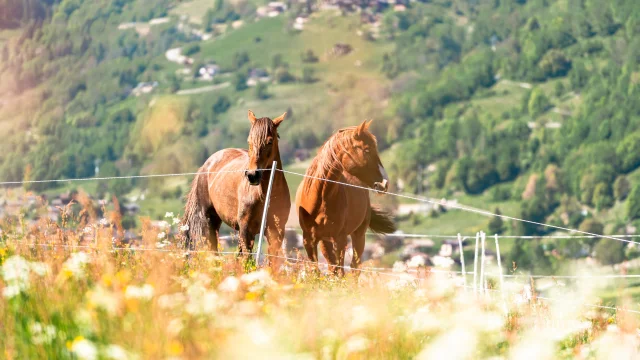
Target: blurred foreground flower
{"points": [[144, 292], [230, 284], [15, 272], [257, 280], [75, 265], [84, 349], [42, 334]]}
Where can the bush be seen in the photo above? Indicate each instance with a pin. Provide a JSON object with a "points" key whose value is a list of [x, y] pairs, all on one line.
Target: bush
{"points": [[239, 81], [621, 188], [609, 252], [496, 225], [308, 75], [191, 49], [538, 103], [261, 91], [308, 57], [633, 204], [282, 75]]}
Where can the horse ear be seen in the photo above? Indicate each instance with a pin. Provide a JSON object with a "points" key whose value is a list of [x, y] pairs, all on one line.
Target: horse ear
{"points": [[369, 123], [361, 128], [279, 119], [252, 117]]}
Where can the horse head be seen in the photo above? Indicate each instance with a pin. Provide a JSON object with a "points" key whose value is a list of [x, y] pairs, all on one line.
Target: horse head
{"points": [[263, 145], [362, 159]]}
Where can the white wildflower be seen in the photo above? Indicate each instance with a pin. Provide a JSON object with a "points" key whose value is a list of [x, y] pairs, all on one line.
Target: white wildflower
{"points": [[84, 349], [104, 222], [40, 268], [11, 291], [163, 224], [168, 214], [104, 299], [458, 343], [176, 220], [76, 264], [201, 302], [170, 301], [42, 334], [184, 228], [161, 235], [144, 292], [361, 318], [175, 326], [231, 284], [115, 352], [354, 344], [88, 230], [257, 280], [15, 272]]}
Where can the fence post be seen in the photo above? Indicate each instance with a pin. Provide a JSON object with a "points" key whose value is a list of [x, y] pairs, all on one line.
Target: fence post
{"points": [[482, 283], [504, 305], [264, 212], [464, 273], [475, 266]]}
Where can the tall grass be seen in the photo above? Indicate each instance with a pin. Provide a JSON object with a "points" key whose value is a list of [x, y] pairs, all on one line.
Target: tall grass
{"points": [[86, 300]]}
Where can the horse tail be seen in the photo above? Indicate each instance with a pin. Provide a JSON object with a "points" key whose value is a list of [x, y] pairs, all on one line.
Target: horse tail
{"points": [[381, 221], [195, 210]]}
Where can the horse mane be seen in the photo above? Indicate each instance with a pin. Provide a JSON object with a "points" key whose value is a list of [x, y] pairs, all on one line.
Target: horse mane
{"points": [[328, 158], [260, 131]]}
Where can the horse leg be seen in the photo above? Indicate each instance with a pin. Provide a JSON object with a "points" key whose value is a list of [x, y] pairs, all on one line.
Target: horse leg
{"points": [[310, 245], [328, 248], [214, 227], [245, 243], [275, 255], [357, 241], [340, 247]]}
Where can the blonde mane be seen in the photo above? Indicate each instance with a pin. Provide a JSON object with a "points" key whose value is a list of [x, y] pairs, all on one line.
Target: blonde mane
{"points": [[328, 158]]}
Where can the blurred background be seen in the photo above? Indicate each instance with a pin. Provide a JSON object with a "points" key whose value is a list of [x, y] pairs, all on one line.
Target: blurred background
{"points": [[526, 108]]}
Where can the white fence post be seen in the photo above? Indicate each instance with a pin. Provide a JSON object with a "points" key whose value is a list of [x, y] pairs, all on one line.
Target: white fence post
{"points": [[464, 273], [482, 283], [264, 212], [504, 304], [475, 266]]}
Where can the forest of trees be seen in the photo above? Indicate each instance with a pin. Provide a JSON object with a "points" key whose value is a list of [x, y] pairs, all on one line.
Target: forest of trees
{"points": [[589, 47]]}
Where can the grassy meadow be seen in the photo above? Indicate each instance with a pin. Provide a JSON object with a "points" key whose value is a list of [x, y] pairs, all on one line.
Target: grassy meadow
{"points": [[72, 293]]}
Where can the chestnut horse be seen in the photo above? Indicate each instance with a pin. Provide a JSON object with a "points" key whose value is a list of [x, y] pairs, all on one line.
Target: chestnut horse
{"points": [[230, 187], [328, 211]]}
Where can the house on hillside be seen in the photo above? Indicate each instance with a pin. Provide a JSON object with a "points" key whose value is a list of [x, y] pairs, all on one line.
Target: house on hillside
{"points": [[208, 71], [299, 23], [272, 9], [144, 88], [257, 75]]}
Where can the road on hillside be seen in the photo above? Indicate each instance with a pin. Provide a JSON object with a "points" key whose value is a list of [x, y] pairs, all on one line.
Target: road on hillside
{"points": [[203, 89]]}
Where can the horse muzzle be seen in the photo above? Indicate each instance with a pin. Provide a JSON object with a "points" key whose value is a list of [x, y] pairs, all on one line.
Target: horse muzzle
{"points": [[253, 176], [381, 186], [384, 184]]}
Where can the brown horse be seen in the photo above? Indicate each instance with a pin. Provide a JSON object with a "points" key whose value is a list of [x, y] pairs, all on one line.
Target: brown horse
{"points": [[230, 187], [328, 211]]}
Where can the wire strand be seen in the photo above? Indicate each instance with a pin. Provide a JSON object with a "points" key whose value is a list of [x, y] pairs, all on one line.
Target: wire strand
{"points": [[461, 207], [120, 177]]}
